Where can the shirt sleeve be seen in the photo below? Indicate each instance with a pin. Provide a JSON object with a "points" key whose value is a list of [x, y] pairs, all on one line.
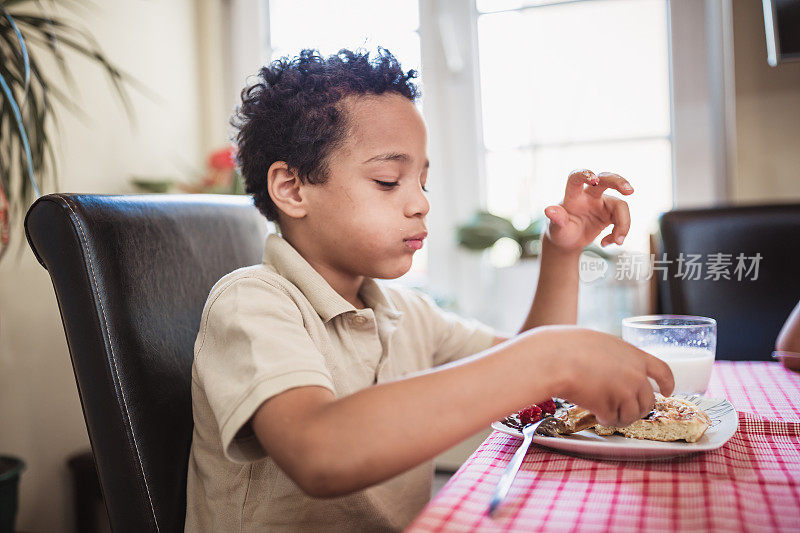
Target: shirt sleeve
{"points": [[454, 337], [252, 345]]}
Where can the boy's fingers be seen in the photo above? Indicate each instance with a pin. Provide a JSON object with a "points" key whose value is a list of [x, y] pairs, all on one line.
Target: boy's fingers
{"points": [[577, 179], [637, 406], [608, 239], [557, 215], [609, 180], [629, 411], [661, 373], [647, 399], [606, 412], [620, 216]]}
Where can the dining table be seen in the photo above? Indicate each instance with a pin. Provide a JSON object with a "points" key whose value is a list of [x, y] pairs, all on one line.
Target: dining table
{"points": [[750, 483]]}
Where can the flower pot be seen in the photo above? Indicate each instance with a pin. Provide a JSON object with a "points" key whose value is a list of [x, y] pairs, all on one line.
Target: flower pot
{"points": [[10, 470], [511, 293]]}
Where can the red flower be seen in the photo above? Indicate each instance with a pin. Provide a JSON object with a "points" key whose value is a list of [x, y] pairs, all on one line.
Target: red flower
{"points": [[222, 159]]}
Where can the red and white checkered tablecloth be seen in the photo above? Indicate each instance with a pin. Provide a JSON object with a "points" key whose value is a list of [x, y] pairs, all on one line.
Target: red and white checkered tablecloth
{"points": [[752, 483]]}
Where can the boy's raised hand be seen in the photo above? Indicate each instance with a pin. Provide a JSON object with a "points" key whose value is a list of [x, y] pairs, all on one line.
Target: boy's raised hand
{"points": [[586, 211], [601, 372]]}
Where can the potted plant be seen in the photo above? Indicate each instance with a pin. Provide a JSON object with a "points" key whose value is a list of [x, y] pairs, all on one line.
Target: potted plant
{"points": [[28, 93], [10, 470], [28, 129], [484, 230], [512, 279]]}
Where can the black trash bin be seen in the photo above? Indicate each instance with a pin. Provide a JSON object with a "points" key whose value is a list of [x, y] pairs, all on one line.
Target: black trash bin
{"points": [[10, 470], [90, 511]]}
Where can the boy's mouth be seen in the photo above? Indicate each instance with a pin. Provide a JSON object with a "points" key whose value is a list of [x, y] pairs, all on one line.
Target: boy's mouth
{"points": [[415, 241]]}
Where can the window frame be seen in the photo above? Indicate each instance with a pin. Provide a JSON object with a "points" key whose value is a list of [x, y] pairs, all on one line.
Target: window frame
{"points": [[703, 137]]}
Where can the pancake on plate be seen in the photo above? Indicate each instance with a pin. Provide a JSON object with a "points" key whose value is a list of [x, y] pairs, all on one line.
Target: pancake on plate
{"points": [[671, 419]]}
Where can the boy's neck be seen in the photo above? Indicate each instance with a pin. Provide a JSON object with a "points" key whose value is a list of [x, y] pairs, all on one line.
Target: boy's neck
{"points": [[346, 286]]}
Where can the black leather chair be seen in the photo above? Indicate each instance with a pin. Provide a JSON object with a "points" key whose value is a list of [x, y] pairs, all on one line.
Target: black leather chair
{"points": [[749, 312], [131, 275]]}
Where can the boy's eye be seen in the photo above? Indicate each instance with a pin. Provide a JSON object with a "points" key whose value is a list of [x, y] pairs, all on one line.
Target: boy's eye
{"points": [[424, 188], [387, 184]]}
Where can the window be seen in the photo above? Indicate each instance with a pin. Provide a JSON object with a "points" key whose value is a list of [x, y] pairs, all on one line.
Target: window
{"points": [[575, 84], [519, 92], [562, 84], [330, 26]]}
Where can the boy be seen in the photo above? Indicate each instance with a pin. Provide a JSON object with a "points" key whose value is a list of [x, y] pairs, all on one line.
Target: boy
{"points": [[319, 397], [788, 341]]}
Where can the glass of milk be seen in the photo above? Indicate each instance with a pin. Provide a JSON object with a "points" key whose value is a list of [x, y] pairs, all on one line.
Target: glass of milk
{"points": [[687, 344]]}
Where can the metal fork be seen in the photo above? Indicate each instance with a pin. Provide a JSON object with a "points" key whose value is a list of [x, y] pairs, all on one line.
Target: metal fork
{"points": [[513, 467], [716, 411]]}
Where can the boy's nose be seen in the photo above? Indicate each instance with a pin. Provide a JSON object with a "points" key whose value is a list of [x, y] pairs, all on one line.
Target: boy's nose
{"points": [[418, 204]]}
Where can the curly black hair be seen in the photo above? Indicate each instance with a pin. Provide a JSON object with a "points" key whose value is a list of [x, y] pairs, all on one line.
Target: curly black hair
{"points": [[294, 113]]}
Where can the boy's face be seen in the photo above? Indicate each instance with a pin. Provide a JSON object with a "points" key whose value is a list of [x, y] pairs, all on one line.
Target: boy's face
{"points": [[368, 219]]}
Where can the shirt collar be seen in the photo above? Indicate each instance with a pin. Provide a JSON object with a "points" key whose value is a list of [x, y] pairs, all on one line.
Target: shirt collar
{"points": [[288, 262], [374, 297]]}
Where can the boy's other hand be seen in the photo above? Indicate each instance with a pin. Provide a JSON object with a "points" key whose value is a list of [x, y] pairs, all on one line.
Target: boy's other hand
{"points": [[604, 374], [586, 211]]}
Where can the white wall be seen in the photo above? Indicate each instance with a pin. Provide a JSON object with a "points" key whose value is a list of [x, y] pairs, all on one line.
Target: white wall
{"points": [[40, 414], [767, 114], [703, 129]]}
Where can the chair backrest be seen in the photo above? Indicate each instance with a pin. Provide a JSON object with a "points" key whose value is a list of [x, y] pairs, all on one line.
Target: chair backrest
{"points": [[131, 275], [749, 312]]}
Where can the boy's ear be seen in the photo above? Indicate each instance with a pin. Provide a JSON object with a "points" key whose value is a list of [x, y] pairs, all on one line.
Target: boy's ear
{"points": [[285, 188]]}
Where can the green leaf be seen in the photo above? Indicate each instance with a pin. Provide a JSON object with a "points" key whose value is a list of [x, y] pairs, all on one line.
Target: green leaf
{"points": [[23, 52], [483, 230], [27, 115], [500, 224], [477, 238], [23, 136]]}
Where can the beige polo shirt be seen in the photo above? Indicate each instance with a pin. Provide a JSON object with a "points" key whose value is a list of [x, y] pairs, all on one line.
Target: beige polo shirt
{"points": [[271, 327]]}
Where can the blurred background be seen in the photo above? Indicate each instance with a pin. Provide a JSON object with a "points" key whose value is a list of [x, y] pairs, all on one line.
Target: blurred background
{"points": [[675, 95]]}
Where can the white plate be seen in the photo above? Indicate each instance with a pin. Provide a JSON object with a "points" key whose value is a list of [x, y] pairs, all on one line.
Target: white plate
{"points": [[724, 421]]}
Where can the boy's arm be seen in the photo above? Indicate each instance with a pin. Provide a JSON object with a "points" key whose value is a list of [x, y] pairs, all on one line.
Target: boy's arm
{"points": [[573, 224], [556, 297], [334, 446], [789, 337]]}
